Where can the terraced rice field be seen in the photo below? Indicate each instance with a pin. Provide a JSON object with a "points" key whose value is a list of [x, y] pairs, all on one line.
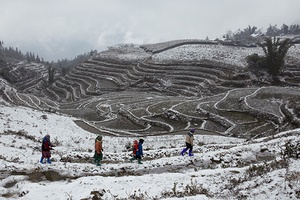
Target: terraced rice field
{"points": [[136, 92]]}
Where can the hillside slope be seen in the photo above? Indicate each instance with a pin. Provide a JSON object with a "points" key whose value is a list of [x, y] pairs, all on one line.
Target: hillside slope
{"points": [[247, 130], [222, 167], [129, 90]]}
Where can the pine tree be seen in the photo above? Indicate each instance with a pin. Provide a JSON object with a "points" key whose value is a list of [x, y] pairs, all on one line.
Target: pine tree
{"points": [[51, 72], [38, 59]]}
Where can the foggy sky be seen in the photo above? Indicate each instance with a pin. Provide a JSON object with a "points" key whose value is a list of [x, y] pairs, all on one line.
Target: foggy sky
{"points": [[58, 29]]}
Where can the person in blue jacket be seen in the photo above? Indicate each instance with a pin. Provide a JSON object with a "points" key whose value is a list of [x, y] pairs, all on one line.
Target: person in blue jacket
{"points": [[139, 152]]}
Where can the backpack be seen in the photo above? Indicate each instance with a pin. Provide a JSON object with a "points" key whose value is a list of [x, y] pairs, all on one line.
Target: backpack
{"points": [[135, 146], [46, 145], [43, 145]]}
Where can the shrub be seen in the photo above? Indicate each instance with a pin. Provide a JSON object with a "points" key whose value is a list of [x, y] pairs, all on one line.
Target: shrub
{"points": [[255, 61], [291, 149], [191, 189], [259, 170]]}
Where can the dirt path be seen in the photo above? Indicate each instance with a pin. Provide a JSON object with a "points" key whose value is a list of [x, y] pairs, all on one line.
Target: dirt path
{"points": [[94, 130], [90, 128]]}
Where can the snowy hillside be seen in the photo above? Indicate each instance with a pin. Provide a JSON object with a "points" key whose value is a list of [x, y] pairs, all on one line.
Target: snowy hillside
{"points": [[222, 167], [230, 55], [129, 90], [156, 92]]}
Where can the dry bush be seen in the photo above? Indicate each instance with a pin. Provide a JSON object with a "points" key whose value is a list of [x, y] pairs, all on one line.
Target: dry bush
{"points": [[261, 169], [191, 189], [291, 149]]}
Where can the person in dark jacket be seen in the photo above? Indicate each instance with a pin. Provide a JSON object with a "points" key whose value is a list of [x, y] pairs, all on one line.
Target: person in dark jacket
{"points": [[46, 147], [98, 150], [189, 142], [139, 152]]}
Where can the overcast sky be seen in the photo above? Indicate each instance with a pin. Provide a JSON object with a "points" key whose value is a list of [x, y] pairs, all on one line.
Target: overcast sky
{"points": [[57, 29]]}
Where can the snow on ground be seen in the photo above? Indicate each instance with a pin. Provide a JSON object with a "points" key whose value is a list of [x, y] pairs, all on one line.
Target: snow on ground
{"points": [[217, 53], [124, 53], [222, 168], [231, 55]]}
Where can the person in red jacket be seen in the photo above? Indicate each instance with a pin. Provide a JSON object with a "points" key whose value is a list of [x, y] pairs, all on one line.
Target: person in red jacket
{"points": [[46, 147], [138, 151], [135, 148], [98, 150]]}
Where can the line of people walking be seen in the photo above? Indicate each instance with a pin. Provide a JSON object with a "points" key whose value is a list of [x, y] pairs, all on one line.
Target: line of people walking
{"points": [[137, 148]]}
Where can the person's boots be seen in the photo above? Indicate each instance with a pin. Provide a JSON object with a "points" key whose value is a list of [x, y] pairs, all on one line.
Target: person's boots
{"points": [[183, 151], [48, 161], [42, 160], [139, 161], [98, 164], [191, 153], [132, 159]]}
